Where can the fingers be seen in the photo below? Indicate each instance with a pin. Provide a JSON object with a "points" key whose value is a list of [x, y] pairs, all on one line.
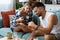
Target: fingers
{"points": [[21, 18], [30, 23]]}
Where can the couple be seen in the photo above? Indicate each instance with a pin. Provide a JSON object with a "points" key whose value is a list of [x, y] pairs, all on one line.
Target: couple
{"points": [[48, 25]]}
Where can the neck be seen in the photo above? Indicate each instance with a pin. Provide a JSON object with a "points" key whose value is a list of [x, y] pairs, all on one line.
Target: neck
{"points": [[43, 15]]}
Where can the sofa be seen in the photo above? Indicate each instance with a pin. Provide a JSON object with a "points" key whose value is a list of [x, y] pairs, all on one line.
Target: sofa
{"points": [[4, 31]]}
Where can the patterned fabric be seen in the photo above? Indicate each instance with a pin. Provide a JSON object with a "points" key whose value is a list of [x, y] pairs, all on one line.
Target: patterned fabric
{"points": [[32, 17], [5, 17], [12, 21]]}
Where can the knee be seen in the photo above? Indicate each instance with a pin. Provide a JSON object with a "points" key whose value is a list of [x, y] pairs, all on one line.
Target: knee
{"points": [[47, 37], [50, 37]]}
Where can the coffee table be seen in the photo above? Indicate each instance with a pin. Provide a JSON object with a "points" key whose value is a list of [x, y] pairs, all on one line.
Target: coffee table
{"points": [[5, 38]]}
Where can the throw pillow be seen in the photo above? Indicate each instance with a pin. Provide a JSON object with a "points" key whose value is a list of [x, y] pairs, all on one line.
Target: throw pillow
{"points": [[5, 17]]}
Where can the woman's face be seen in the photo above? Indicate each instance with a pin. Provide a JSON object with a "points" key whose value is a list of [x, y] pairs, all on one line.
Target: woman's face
{"points": [[27, 9]]}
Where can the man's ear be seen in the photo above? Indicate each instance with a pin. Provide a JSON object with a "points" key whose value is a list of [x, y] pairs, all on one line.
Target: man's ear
{"points": [[35, 9], [45, 10]]}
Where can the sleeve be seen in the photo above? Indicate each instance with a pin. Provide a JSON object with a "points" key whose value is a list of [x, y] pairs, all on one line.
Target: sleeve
{"points": [[36, 20], [12, 21]]}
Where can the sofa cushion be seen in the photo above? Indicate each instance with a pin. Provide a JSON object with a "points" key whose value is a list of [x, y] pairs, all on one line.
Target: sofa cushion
{"points": [[1, 36], [4, 31], [40, 38], [5, 17], [25, 36], [1, 22], [0, 14], [18, 34]]}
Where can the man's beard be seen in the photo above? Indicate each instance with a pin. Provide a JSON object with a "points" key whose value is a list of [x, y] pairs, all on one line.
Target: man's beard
{"points": [[39, 14]]}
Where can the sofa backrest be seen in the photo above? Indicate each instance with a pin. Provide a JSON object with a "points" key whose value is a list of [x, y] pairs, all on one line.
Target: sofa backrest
{"points": [[53, 8], [0, 13]]}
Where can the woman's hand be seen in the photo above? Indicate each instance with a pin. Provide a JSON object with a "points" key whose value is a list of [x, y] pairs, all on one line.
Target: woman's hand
{"points": [[32, 25], [20, 20]]}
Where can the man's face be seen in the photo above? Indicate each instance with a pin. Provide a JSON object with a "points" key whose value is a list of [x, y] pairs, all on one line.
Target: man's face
{"points": [[27, 8], [39, 10]]}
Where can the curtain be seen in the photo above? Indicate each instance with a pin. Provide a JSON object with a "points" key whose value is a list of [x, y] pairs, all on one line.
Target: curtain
{"points": [[7, 5]]}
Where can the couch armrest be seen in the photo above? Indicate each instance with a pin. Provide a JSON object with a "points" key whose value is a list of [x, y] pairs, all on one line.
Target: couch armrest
{"points": [[1, 22]]}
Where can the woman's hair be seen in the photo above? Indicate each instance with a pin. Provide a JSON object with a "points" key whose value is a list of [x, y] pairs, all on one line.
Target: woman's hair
{"points": [[27, 3], [22, 12]]}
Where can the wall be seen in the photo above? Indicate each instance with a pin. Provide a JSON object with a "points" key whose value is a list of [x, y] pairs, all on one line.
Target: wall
{"points": [[7, 5], [43, 1], [51, 7]]}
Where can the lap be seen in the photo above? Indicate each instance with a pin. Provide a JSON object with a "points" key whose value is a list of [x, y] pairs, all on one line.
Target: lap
{"points": [[50, 37], [23, 28], [58, 36], [4, 31], [25, 36]]}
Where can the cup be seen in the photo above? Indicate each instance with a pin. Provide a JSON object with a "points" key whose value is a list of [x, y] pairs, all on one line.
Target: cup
{"points": [[15, 36]]}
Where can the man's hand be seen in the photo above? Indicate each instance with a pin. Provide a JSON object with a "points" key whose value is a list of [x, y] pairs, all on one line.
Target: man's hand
{"points": [[19, 20], [32, 25]]}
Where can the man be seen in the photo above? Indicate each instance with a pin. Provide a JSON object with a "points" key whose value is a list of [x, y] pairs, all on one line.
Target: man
{"points": [[49, 23], [25, 16]]}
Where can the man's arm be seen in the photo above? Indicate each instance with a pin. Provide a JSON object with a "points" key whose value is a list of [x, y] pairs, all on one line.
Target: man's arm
{"points": [[52, 20], [41, 31]]}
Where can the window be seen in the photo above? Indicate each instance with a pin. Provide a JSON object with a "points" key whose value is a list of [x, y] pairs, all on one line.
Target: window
{"points": [[5, 1], [7, 5]]}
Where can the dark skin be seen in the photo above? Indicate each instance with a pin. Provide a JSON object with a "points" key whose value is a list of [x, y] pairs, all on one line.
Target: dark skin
{"points": [[44, 31]]}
